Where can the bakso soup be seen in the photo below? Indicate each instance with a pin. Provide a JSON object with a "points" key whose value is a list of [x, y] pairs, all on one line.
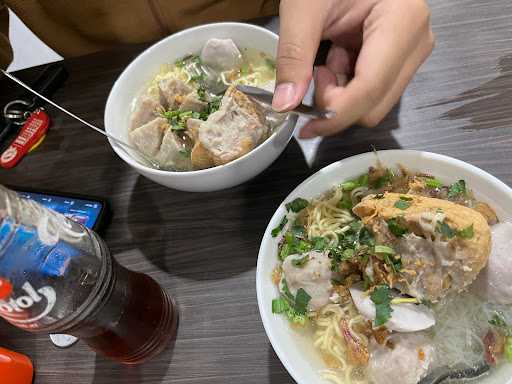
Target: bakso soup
{"points": [[191, 116], [395, 274]]}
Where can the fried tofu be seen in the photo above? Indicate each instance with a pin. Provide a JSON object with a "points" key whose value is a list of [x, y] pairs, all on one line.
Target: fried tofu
{"points": [[446, 246], [234, 130]]}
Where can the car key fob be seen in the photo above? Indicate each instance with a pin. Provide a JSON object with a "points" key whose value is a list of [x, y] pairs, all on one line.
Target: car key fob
{"points": [[19, 110], [31, 133]]}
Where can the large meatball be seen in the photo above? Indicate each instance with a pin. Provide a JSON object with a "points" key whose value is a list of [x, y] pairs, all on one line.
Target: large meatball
{"points": [[314, 277], [494, 282], [406, 363], [444, 249]]}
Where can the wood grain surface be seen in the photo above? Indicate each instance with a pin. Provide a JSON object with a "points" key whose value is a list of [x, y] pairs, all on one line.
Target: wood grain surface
{"points": [[203, 247]]}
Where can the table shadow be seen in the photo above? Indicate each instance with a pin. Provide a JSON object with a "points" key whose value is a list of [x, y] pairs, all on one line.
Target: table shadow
{"points": [[356, 140], [182, 235], [216, 240], [277, 373], [109, 372]]}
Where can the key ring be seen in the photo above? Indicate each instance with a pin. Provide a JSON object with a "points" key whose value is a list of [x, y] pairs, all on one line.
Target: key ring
{"points": [[17, 116]]}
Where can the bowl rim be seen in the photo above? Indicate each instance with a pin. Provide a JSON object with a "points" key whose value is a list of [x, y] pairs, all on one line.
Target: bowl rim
{"points": [[266, 320], [148, 51]]}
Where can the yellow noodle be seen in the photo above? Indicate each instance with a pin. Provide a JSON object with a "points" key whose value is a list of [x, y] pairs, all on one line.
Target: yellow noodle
{"points": [[326, 219], [329, 340]]}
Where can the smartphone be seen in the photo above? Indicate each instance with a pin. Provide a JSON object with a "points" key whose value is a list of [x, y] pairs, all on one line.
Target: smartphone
{"points": [[91, 212]]}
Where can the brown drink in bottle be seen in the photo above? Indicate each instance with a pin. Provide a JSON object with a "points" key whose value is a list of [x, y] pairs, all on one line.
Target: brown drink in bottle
{"points": [[62, 279], [133, 319]]}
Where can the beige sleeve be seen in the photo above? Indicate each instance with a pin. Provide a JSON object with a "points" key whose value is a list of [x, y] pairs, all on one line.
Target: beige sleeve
{"points": [[5, 47]]}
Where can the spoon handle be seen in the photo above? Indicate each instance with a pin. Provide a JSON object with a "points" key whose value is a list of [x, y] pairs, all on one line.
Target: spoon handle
{"points": [[100, 131], [440, 375], [266, 98]]}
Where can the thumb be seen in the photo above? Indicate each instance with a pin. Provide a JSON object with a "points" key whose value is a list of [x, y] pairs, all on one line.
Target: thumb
{"points": [[300, 32]]}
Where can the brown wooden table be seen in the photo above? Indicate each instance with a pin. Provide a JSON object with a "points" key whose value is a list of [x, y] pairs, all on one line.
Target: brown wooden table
{"points": [[203, 247]]}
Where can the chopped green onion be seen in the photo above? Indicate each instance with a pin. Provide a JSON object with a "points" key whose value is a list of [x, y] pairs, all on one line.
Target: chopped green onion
{"points": [[383, 180], [457, 189], [402, 204], [499, 321], [280, 227], [280, 305], [384, 249], [395, 228], [300, 262], [350, 185], [395, 262], [297, 205], [445, 230], [348, 253], [433, 183], [201, 93], [197, 78], [508, 349], [298, 230], [319, 243], [381, 297], [346, 202], [301, 301], [295, 308], [244, 69], [185, 152], [466, 233]]}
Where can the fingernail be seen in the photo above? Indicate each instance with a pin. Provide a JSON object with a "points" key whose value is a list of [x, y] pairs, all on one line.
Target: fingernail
{"points": [[284, 97], [307, 133]]}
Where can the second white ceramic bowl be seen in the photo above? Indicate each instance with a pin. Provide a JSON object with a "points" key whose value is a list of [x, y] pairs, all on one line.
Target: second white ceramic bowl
{"points": [[139, 73], [295, 349]]}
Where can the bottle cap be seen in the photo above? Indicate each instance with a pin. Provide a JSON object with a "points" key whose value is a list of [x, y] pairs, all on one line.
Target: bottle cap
{"points": [[63, 341], [5, 288]]}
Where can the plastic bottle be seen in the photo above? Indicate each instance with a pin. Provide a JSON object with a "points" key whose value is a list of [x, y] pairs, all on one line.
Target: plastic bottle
{"points": [[64, 280]]}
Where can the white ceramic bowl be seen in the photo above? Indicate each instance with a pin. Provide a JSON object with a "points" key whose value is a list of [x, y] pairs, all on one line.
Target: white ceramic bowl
{"points": [[296, 350], [138, 74]]}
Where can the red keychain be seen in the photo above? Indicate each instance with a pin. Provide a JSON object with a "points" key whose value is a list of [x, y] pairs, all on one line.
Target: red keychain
{"points": [[31, 134]]}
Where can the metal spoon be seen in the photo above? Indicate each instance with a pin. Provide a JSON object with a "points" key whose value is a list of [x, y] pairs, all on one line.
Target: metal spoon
{"points": [[119, 142], [266, 97], [458, 372]]}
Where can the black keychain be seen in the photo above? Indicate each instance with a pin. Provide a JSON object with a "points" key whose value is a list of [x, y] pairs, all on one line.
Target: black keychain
{"points": [[16, 112]]}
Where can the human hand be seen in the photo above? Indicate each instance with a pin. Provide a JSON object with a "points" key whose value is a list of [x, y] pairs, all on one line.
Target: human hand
{"points": [[377, 47]]}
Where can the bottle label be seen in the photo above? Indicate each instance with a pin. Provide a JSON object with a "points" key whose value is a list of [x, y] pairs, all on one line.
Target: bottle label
{"points": [[15, 310]]}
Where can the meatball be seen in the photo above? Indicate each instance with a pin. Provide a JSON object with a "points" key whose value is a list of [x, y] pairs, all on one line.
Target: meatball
{"points": [[314, 276], [221, 54], [493, 283], [407, 362]]}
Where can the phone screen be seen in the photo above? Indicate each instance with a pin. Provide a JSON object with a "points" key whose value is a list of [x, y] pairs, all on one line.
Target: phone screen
{"points": [[85, 212]]}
